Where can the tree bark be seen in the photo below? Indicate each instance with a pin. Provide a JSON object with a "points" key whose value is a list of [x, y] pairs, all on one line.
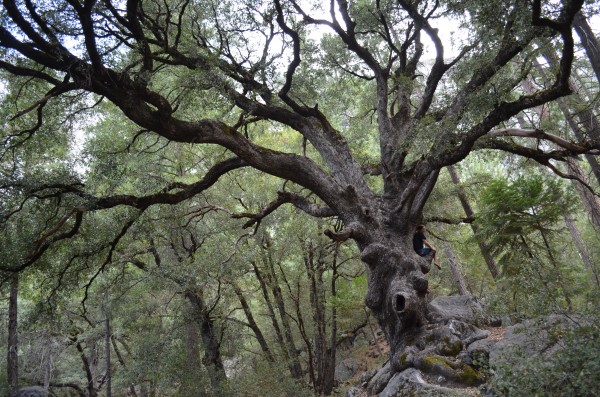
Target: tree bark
{"points": [[588, 198], [121, 360], [88, 367], [582, 121], [588, 41], [381, 224], [295, 367], [107, 357], [12, 359], [455, 267], [252, 323], [210, 340], [271, 313], [581, 247], [314, 272], [193, 370], [464, 201]]}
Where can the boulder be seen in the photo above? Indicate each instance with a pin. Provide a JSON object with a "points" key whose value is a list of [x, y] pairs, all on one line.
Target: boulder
{"points": [[478, 353], [464, 308], [354, 392], [467, 333], [381, 379], [33, 391], [411, 383], [530, 338], [346, 369]]}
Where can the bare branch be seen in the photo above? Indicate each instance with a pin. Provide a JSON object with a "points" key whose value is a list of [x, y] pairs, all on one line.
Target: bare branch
{"points": [[539, 134]]}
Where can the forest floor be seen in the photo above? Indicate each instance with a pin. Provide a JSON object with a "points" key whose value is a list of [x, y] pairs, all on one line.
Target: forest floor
{"points": [[373, 355]]}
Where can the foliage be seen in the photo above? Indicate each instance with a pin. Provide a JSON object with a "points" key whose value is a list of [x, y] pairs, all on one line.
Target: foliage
{"points": [[138, 138], [572, 370]]}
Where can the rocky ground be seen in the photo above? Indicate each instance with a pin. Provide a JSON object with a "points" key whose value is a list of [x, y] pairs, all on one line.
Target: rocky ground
{"points": [[454, 355]]}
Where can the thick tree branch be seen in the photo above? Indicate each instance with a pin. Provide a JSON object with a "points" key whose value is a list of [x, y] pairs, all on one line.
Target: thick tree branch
{"points": [[541, 135], [297, 200]]}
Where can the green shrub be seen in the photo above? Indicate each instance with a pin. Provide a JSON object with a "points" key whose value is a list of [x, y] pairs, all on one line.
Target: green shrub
{"points": [[572, 371]]}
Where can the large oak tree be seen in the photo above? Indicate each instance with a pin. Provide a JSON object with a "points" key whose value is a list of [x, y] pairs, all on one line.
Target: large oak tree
{"points": [[429, 109]]}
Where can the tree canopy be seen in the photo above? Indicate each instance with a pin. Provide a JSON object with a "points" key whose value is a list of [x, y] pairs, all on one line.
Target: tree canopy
{"points": [[121, 118]]}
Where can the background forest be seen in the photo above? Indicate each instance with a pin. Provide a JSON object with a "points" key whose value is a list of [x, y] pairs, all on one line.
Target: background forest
{"points": [[227, 291]]}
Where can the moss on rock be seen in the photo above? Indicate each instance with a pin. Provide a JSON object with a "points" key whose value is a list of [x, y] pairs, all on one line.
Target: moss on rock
{"points": [[449, 348], [468, 376]]}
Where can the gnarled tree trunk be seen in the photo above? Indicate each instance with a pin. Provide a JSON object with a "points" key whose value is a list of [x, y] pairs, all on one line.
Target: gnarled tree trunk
{"points": [[12, 359], [419, 132]]}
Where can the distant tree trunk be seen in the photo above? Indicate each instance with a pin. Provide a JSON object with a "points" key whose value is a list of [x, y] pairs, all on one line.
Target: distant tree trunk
{"points": [[295, 368], [12, 359], [588, 198], [193, 369], [455, 267], [588, 41], [107, 357], [47, 370], [582, 121], [121, 360], [252, 323], [210, 340], [265, 292], [88, 367], [580, 244], [314, 272], [329, 367], [464, 201]]}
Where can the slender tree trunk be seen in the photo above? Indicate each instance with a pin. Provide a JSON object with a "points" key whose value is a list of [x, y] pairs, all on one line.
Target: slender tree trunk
{"points": [[455, 267], [581, 247], [329, 367], [295, 368], [464, 201], [12, 360], [252, 323], [87, 367], [315, 278], [193, 370], [144, 390], [588, 198], [582, 121], [588, 41], [265, 292], [121, 360], [107, 357], [47, 370]]}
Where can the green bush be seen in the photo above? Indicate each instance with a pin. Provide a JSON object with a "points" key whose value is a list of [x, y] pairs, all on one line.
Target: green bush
{"points": [[571, 371]]}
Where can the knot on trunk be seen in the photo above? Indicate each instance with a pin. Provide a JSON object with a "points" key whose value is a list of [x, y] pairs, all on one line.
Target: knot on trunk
{"points": [[373, 253], [419, 282]]}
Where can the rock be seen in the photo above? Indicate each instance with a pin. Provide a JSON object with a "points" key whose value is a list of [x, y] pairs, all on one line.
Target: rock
{"points": [[478, 353], [33, 391], [530, 338], [464, 308], [537, 344], [346, 369], [466, 332], [381, 379], [367, 376], [410, 382], [354, 392]]}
